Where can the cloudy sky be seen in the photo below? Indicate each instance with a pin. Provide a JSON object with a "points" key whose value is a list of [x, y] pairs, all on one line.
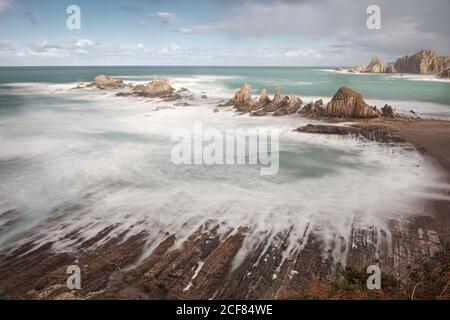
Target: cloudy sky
{"points": [[219, 32]]}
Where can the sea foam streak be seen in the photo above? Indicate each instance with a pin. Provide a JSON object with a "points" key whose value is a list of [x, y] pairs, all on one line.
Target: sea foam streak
{"points": [[95, 160]]}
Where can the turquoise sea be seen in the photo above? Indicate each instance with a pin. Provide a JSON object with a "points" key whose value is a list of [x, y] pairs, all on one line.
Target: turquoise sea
{"points": [[73, 162]]}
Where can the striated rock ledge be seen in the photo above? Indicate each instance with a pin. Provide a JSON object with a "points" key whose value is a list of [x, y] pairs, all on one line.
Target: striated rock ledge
{"points": [[423, 62], [371, 132]]}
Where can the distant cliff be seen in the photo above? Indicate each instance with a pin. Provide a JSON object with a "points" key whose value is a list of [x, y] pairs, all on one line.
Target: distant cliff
{"points": [[424, 62]]}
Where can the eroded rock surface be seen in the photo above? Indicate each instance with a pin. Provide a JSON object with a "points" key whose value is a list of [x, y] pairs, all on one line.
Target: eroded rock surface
{"points": [[349, 104], [370, 132], [424, 62]]}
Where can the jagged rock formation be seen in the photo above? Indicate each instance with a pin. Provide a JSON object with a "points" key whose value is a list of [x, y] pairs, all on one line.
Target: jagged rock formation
{"points": [[424, 62], [349, 104], [278, 102], [370, 132], [242, 100], [280, 105], [387, 111], [264, 99], [292, 106], [103, 82], [378, 66], [313, 110]]}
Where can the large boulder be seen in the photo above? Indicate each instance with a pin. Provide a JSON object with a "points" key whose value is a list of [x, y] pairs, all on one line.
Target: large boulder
{"points": [[379, 66], [103, 82], [349, 104], [424, 61], [158, 88]]}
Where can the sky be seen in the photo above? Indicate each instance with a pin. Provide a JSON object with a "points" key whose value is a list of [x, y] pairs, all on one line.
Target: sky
{"points": [[219, 32]]}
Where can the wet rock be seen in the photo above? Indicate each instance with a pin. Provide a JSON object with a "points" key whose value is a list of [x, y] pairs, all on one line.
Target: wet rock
{"points": [[387, 111], [158, 88], [313, 110], [103, 82], [278, 102], [259, 113], [370, 132], [293, 106], [348, 104], [242, 100], [264, 99]]}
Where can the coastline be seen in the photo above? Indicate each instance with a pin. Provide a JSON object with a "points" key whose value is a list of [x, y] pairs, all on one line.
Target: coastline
{"points": [[203, 266]]}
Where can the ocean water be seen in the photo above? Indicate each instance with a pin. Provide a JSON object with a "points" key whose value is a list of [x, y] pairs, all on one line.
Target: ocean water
{"points": [[77, 161]]}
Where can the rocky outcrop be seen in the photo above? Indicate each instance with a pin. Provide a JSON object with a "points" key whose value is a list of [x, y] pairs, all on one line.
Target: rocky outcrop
{"points": [[424, 62], [387, 111], [158, 88], [278, 102], [370, 132], [103, 82], [264, 99], [349, 104], [358, 69], [313, 110], [293, 105], [378, 66], [242, 100], [444, 74]]}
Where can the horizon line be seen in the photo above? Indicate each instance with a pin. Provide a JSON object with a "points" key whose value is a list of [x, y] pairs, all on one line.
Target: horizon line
{"points": [[202, 66]]}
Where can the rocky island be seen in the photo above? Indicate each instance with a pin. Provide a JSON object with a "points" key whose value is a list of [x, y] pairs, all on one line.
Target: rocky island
{"points": [[425, 62]]}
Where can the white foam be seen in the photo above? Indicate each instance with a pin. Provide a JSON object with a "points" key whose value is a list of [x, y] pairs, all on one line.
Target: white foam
{"points": [[110, 164]]}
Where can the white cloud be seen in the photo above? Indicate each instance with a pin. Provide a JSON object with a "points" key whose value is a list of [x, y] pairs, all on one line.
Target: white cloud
{"points": [[167, 18], [83, 43], [6, 5]]}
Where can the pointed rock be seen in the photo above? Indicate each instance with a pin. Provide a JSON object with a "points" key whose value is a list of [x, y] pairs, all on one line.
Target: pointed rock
{"points": [[349, 104]]}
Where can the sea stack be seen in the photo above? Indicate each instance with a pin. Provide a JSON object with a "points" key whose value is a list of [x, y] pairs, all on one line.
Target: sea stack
{"points": [[378, 66], [349, 104], [424, 62]]}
